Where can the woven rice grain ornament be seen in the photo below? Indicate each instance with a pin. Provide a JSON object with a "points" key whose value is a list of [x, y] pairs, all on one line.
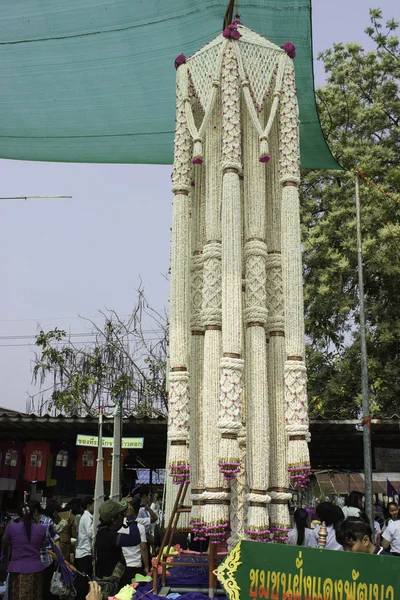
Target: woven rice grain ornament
{"points": [[236, 306]]}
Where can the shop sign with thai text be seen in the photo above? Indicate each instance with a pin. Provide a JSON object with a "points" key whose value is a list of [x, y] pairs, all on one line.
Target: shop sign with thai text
{"points": [[258, 571], [108, 442]]}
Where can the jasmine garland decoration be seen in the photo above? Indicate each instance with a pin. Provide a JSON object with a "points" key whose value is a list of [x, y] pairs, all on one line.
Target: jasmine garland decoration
{"points": [[237, 380]]}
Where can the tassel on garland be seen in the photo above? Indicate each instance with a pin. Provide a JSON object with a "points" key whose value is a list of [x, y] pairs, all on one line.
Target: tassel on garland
{"points": [[178, 405], [196, 516], [279, 516], [230, 409], [297, 423], [229, 462], [257, 517], [216, 515], [179, 468]]}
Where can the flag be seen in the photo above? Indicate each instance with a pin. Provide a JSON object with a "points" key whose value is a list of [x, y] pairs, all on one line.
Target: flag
{"points": [[390, 490]]}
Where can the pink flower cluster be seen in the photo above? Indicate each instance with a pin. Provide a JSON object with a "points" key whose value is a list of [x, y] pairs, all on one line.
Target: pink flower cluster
{"points": [[262, 535], [290, 49], [300, 476], [199, 531], [180, 60], [279, 534], [180, 473], [232, 31], [229, 469], [217, 533]]}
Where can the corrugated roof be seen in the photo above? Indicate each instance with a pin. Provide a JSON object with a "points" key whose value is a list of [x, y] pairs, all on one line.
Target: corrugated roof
{"points": [[344, 483]]}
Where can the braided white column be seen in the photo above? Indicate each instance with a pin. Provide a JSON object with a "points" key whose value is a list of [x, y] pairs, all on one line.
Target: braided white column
{"points": [[238, 508], [197, 355], [231, 363], [214, 500], [178, 413], [279, 509], [255, 317], [295, 372]]}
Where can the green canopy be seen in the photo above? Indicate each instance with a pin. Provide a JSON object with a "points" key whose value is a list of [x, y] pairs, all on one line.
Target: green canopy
{"points": [[94, 80]]}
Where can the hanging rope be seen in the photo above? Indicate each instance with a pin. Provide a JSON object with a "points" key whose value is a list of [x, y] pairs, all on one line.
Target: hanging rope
{"points": [[370, 182], [229, 14]]}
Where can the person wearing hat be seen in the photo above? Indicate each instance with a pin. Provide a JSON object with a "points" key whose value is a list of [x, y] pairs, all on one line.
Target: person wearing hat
{"points": [[136, 557], [109, 542]]}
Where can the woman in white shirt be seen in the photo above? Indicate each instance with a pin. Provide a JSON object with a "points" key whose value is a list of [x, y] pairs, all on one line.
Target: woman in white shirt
{"points": [[300, 534], [393, 511], [353, 505], [391, 537], [331, 515]]}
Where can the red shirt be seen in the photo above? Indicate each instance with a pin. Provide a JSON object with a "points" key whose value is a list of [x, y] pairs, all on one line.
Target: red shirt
{"points": [[107, 455], [86, 463], [36, 454]]}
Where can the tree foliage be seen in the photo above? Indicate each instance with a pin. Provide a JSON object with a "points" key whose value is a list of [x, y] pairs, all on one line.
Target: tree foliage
{"points": [[125, 359], [359, 109]]}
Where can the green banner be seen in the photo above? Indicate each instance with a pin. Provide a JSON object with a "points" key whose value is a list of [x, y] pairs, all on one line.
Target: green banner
{"points": [[108, 442], [257, 571]]}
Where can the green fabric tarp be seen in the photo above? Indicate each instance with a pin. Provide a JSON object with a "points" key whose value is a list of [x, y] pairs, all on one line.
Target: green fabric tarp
{"points": [[94, 81]]}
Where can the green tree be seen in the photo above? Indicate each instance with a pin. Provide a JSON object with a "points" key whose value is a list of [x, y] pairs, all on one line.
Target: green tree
{"points": [[125, 358], [359, 109]]}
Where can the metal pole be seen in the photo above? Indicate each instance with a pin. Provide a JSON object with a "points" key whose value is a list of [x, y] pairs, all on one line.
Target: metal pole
{"points": [[99, 485], [369, 504], [116, 457]]}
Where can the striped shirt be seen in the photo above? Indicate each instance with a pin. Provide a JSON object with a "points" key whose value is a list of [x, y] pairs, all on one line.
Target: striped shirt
{"points": [[51, 537]]}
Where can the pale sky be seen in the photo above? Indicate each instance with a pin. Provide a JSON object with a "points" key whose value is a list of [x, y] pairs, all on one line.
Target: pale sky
{"points": [[64, 258]]}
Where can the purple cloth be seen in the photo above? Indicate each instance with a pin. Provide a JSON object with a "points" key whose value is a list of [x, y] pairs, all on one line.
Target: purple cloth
{"points": [[25, 556], [196, 576]]}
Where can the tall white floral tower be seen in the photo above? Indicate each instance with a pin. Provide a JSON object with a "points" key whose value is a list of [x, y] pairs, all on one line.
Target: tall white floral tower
{"points": [[238, 422]]}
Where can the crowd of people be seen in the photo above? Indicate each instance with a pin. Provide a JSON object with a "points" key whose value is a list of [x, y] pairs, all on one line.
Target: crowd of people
{"points": [[348, 528], [119, 549], [127, 534]]}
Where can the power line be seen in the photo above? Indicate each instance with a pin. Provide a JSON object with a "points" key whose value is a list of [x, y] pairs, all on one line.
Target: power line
{"points": [[29, 197], [156, 339], [74, 335]]}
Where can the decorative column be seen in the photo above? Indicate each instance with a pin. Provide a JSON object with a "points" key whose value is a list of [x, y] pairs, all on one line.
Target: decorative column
{"points": [[295, 370], [255, 317], [178, 406], [197, 354], [215, 499], [231, 383], [275, 327]]}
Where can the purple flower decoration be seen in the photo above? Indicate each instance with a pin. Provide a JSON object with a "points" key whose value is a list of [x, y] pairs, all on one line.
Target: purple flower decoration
{"points": [[290, 49], [264, 158], [180, 60], [197, 161], [232, 31]]}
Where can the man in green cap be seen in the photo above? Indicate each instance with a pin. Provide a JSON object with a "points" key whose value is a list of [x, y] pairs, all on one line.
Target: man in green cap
{"points": [[109, 543]]}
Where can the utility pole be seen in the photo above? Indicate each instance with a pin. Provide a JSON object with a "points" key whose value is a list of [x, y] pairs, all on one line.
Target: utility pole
{"points": [[366, 420]]}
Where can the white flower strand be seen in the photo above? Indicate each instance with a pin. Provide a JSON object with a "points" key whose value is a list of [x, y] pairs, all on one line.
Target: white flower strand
{"points": [[178, 418], [295, 371], [279, 479], [197, 354], [255, 317], [231, 363], [214, 514]]}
